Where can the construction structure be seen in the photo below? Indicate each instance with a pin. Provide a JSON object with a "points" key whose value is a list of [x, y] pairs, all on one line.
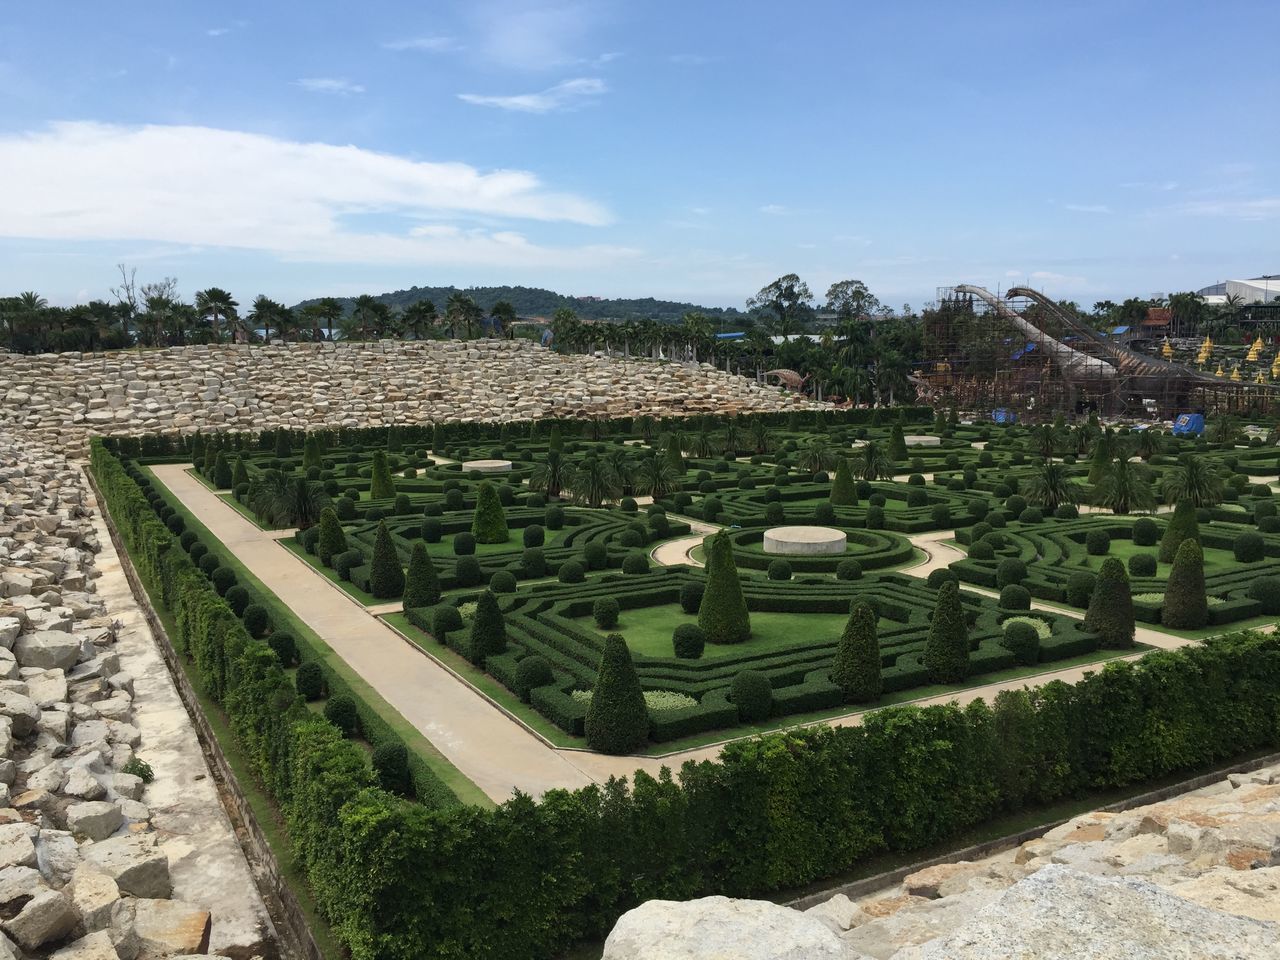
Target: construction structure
{"points": [[1025, 353]]}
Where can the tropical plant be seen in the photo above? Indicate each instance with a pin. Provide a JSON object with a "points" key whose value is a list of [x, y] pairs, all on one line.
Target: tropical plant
{"points": [[656, 478], [1050, 486], [281, 501], [593, 482], [816, 455], [552, 475], [871, 461], [1125, 487], [1192, 481]]}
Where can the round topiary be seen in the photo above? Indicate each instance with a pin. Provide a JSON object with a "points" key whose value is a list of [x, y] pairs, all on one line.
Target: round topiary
{"points": [[1015, 597], [1080, 588], [467, 572], [1266, 590], [779, 570], [256, 620], [1023, 641], [1097, 543], [917, 497], [1269, 525], [309, 681], [752, 693], [940, 515], [774, 514], [341, 712], [464, 544], [391, 766], [940, 576], [237, 599], [1015, 504], [688, 641], [691, 596], [1249, 547], [444, 619], [504, 581], [432, 530], [189, 537], [595, 555], [982, 550], [571, 571], [877, 500], [1142, 565], [454, 500], [824, 513], [875, 518], [635, 562], [533, 535], [223, 580], [1030, 515], [198, 552], [1110, 613], [553, 518], [533, 562], [630, 539], [979, 530], [1010, 570], [284, 647], [997, 519], [1067, 511], [532, 672], [848, 569], [605, 612], [1145, 532]]}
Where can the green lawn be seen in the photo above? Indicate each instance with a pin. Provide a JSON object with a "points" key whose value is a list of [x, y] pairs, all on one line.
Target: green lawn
{"points": [[514, 544], [362, 596], [1214, 559]]}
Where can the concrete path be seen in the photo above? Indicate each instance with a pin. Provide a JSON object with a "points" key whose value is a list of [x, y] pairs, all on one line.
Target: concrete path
{"points": [[679, 551]]}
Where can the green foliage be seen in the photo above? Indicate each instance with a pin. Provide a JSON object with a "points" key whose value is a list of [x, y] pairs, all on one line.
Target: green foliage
{"points": [[605, 612], [1015, 597], [617, 720], [341, 712], [722, 615], [332, 540], [309, 681], [1182, 526], [222, 475], [383, 484], [1249, 547], [256, 620], [1266, 590], [897, 443], [848, 569], [490, 522], [422, 585], [688, 641], [391, 767], [1022, 640], [488, 630], [779, 570], [1142, 565], [532, 672], [1097, 543], [1145, 532], [691, 595], [445, 618], [1110, 612], [946, 651], [139, 768], [752, 693], [1080, 588], [386, 576], [1010, 570], [1186, 606], [856, 666], [311, 453], [843, 491], [635, 562], [284, 647], [503, 581]]}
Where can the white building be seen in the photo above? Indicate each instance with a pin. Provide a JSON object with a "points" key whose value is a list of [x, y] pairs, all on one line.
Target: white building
{"points": [[1257, 290]]}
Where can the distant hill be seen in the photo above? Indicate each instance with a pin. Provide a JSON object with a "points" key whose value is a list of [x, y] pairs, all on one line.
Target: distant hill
{"points": [[536, 302]]}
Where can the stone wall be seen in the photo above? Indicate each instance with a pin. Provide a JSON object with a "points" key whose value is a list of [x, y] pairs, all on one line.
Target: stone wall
{"points": [[68, 396]]}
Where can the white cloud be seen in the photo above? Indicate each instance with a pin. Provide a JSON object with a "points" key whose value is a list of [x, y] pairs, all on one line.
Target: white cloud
{"points": [[563, 96], [1087, 207], [530, 36], [424, 44], [1257, 208], [339, 85], [775, 209], [201, 186], [1163, 186], [218, 32]]}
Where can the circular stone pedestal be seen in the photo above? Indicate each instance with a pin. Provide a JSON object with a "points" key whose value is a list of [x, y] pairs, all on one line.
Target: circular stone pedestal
{"points": [[804, 541], [487, 466], [923, 440]]}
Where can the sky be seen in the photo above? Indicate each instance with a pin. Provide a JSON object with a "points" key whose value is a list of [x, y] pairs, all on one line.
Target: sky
{"points": [[684, 150]]}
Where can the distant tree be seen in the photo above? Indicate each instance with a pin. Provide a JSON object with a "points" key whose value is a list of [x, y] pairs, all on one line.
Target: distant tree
{"points": [[1125, 487], [850, 300], [488, 630], [419, 319], [489, 524], [386, 576], [1192, 481], [503, 315], [382, 485], [1186, 605], [843, 491], [1110, 612], [215, 305], [789, 300], [1050, 486]]}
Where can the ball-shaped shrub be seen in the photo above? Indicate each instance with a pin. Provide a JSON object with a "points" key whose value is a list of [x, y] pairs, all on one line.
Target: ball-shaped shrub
{"points": [[752, 693], [198, 552], [1145, 532], [1249, 547], [772, 495], [1097, 543], [207, 564], [1015, 504], [1015, 597], [605, 612], [1269, 525], [1080, 588], [341, 712], [779, 570], [916, 480], [1266, 590], [553, 518], [1142, 565], [256, 620], [848, 569], [630, 539], [533, 535], [504, 581], [454, 500], [1261, 490], [940, 576], [532, 672], [688, 641], [877, 500], [824, 513], [996, 539], [391, 766], [309, 681], [773, 513], [345, 508], [343, 562], [1230, 494], [223, 580], [284, 647], [464, 544], [1002, 491], [238, 599], [189, 537], [533, 562], [571, 571], [957, 485], [997, 519], [635, 562], [1010, 570], [917, 497], [982, 550], [979, 530], [1023, 641], [1066, 511], [404, 506], [1030, 515], [467, 572], [444, 619], [431, 530], [875, 518], [1261, 510], [691, 596], [595, 555], [941, 515]]}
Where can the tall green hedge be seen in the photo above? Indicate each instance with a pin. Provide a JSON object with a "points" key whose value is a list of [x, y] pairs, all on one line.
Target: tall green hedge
{"points": [[422, 584], [490, 522], [488, 630], [843, 491], [1110, 613], [386, 576], [856, 668], [617, 720], [1183, 525], [1186, 606], [332, 540], [946, 650], [382, 485], [723, 614]]}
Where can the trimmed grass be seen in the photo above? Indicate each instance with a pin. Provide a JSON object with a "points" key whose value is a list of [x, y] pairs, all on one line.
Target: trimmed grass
{"points": [[363, 597], [282, 616], [1215, 559], [514, 544]]}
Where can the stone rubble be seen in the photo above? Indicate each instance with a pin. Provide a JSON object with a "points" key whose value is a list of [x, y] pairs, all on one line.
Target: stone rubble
{"points": [[82, 873], [66, 397], [1196, 876]]}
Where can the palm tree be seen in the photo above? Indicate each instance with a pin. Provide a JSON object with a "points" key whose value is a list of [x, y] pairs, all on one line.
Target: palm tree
{"points": [[364, 316], [594, 482], [761, 437], [817, 455], [872, 462], [656, 477], [310, 318], [215, 305], [264, 310], [282, 501], [1125, 487], [1148, 444], [703, 444], [461, 309], [1193, 480], [503, 315], [551, 476], [287, 323], [1045, 439], [1050, 486], [732, 437], [330, 311], [418, 318]]}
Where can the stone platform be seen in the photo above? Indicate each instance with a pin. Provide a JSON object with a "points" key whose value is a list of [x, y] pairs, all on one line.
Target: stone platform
{"points": [[486, 466], [804, 541]]}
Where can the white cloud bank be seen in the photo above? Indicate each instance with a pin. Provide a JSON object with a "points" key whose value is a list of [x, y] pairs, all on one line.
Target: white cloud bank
{"points": [[223, 188], [563, 96]]}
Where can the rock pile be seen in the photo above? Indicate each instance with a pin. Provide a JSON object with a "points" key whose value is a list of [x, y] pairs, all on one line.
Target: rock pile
{"points": [[82, 874], [68, 396], [1197, 876]]}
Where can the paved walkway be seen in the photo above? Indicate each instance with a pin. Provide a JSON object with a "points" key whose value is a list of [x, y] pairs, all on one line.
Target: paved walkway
{"points": [[495, 751]]}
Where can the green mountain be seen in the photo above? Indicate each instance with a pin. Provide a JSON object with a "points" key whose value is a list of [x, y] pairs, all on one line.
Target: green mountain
{"points": [[536, 302]]}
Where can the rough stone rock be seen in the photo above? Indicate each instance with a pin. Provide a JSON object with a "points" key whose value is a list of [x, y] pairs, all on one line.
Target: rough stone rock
{"points": [[95, 820], [925, 883], [170, 926], [82, 783], [839, 913], [16, 846], [94, 894], [16, 882], [1245, 893], [135, 864], [714, 928], [21, 711], [1062, 914], [57, 855], [95, 946], [917, 923], [47, 916], [47, 649], [128, 786]]}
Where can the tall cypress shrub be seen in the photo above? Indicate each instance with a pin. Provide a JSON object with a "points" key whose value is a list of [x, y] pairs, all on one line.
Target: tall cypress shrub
{"points": [[1110, 612], [1182, 526], [421, 585], [311, 455], [722, 614], [856, 669], [386, 576], [671, 449], [844, 492], [946, 651], [284, 448], [239, 473], [617, 720], [897, 443], [383, 485], [332, 540], [490, 522], [222, 471], [1186, 606], [488, 630]]}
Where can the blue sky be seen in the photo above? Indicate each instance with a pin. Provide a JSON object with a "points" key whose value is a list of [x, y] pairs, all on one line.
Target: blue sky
{"points": [[689, 150]]}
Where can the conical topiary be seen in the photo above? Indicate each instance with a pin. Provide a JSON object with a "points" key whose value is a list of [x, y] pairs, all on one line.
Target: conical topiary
{"points": [[1186, 606], [488, 630], [897, 443], [674, 457], [421, 585], [332, 541], [946, 651], [222, 471], [311, 455], [386, 576], [723, 613], [1110, 613], [239, 473], [617, 720], [284, 448], [382, 485], [856, 669], [1182, 526], [490, 522], [844, 492]]}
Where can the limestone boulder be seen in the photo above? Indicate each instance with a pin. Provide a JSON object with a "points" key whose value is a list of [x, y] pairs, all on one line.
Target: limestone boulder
{"points": [[47, 916], [47, 649], [134, 862]]}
